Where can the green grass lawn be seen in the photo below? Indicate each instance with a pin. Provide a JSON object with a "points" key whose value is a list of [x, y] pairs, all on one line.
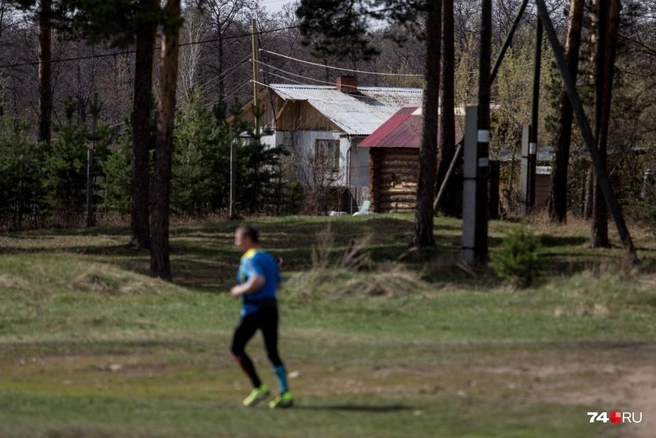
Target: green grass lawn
{"points": [[414, 345]]}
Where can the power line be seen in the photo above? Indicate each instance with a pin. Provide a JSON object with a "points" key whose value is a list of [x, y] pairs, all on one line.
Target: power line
{"points": [[316, 64], [129, 52], [295, 74], [234, 91], [286, 78], [261, 32], [223, 75]]}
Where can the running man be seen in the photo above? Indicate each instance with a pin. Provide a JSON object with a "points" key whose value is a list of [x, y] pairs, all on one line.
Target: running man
{"points": [[259, 280]]}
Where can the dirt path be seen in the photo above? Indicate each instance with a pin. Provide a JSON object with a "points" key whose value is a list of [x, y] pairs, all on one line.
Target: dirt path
{"points": [[609, 378], [642, 398]]}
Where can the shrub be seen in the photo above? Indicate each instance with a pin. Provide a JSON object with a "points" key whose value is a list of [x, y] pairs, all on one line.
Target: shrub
{"points": [[22, 174], [516, 260], [115, 188]]}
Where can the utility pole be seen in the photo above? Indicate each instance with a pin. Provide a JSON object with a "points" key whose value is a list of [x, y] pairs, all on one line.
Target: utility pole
{"points": [[470, 187], [90, 148], [233, 179], [525, 170], [256, 102], [535, 109], [603, 180], [96, 106], [508, 40], [483, 134]]}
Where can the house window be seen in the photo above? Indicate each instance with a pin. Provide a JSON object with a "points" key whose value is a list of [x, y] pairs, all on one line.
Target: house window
{"points": [[326, 154]]}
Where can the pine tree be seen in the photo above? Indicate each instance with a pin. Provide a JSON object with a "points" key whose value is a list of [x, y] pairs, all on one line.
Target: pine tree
{"points": [[160, 265], [558, 185]]}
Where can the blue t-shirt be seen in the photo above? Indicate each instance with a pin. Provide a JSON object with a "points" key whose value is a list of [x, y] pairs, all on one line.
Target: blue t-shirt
{"points": [[258, 262]]}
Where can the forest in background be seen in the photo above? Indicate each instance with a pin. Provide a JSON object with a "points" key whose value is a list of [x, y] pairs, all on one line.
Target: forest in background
{"points": [[93, 74]]}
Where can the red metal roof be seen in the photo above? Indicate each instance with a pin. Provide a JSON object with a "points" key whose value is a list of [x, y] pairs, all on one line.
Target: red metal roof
{"points": [[403, 130]]}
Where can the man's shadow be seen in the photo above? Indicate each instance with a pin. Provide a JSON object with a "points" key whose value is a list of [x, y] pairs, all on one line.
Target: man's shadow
{"points": [[353, 407]]}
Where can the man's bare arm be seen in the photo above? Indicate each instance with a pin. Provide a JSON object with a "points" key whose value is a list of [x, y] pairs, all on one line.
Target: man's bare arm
{"points": [[255, 283]]}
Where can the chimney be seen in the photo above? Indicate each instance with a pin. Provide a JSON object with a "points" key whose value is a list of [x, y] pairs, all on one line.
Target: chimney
{"points": [[347, 84]]}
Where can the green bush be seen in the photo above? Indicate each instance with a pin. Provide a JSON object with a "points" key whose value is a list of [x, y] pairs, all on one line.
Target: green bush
{"points": [[516, 261], [67, 162], [115, 187], [23, 193]]}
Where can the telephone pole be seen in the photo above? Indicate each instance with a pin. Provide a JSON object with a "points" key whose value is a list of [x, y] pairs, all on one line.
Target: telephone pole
{"points": [[483, 135], [256, 101]]}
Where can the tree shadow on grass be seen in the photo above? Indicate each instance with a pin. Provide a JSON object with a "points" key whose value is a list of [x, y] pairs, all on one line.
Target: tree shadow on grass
{"points": [[354, 407], [548, 240]]}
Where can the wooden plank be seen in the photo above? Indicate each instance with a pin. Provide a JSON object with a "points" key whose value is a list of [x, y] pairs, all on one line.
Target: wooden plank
{"points": [[405, 157], [399, 190], [399, 198], [400, 171], [397, 163], [399, 207], [397, 204], [374, 179]]}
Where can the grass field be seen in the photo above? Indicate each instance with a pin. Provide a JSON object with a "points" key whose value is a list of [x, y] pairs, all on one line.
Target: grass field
{"points": [[414, 345]]}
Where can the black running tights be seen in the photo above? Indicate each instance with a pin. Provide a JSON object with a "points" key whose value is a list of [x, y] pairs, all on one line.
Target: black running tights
{"points": [[266, 319]]}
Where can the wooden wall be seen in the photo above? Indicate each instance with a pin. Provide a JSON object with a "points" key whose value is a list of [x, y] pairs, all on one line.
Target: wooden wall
{"points": [[542, 192], [393, 179], [288, 115]]}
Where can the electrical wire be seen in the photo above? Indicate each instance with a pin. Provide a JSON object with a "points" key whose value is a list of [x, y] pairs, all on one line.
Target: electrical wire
{"points": [[233, 92], [193, 43], [286, 78], [294, 74], [215, 80], [129, 52], [316, 64]]}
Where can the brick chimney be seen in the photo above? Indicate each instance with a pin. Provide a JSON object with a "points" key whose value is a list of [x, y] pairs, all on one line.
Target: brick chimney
{"points": [[347, 84]]}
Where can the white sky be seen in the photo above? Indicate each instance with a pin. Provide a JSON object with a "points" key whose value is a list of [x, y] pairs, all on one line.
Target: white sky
{"points": [[275, 5]]}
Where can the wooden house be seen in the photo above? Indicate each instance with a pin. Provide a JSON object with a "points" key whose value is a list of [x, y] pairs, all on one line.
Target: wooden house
{"points": [[394, 160], [324, 124], [393, 169]]}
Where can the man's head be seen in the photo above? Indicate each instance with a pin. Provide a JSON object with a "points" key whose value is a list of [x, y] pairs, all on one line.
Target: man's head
{"points": [[246, 237]]}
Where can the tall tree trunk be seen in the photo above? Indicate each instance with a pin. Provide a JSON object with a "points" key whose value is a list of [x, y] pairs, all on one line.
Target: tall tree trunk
{"points": [[558, 195], [599, 231], [428, 149], [608, 48], [588, 193], [160, 265], [604, 56], [447, 127], [141, 114], [221, 58], [45, 70]]}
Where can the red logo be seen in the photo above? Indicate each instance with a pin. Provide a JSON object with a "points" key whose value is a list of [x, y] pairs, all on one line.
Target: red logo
{"points": [[615, 417]]}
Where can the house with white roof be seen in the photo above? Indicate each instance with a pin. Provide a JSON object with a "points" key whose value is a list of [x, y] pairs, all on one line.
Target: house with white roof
{"points": [[322, 126]]}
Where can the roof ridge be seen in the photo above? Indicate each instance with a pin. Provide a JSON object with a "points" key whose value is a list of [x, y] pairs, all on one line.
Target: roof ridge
{"points": [[334, 87]]}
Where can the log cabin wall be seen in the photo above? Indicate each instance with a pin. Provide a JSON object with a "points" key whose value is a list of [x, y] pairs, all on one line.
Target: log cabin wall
{"points": [[393, 179]]}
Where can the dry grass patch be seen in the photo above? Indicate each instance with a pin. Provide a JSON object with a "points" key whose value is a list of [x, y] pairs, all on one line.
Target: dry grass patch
{"points": [[105, 279], [388, 280], [8, 281]]}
